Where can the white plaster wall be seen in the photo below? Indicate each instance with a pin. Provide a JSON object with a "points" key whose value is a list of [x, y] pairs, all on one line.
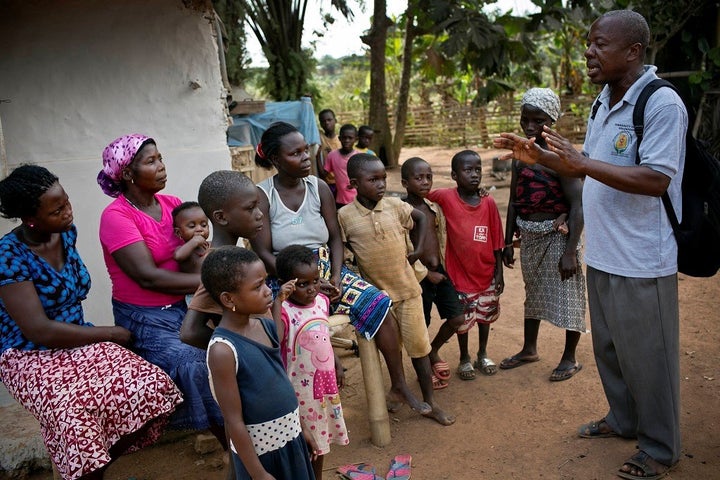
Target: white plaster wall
{"points": [[76, 74]]}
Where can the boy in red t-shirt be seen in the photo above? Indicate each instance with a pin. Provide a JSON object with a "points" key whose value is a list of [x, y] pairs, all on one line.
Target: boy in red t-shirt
{"points": [[474, 255]]}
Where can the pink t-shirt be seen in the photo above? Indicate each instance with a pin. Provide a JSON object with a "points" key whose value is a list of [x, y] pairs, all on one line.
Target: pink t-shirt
{"points": [[336, 163], [474, 232], [121, 224]]}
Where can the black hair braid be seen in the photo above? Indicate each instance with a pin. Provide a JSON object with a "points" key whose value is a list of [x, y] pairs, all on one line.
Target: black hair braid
{"points": [[20, 191]]}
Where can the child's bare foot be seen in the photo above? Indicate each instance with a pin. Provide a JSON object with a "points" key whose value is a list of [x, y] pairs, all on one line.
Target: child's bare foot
{"points": [[396, 398], [443, 418]]}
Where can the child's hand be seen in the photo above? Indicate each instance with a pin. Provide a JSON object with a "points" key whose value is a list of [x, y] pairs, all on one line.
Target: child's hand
{"points": [[413, 256], [339, 373], [199, 241], [264, 476], [330, 290], [312, 445], [286, 290], [499, 283], [435, 277]]}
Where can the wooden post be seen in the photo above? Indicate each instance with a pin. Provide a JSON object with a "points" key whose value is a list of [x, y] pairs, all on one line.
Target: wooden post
{"points": [[375, 392], [374, 389]]}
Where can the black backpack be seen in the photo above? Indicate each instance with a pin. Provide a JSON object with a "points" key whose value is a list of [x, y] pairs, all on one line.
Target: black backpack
{"points": [[698, 236]]}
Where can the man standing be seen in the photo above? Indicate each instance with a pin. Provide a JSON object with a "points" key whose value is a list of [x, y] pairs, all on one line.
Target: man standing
{"points": [[630, 248]]}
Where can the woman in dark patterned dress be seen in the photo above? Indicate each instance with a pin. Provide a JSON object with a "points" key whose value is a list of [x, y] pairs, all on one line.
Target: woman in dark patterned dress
{"points": [[540, 200], [94, 399]]}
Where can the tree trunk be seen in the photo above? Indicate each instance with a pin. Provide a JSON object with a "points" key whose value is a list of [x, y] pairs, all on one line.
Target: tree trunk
{"points": [[404, 94], [378, 116]]}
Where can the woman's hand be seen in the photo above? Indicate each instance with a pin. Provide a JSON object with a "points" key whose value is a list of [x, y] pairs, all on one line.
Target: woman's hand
{"points": [[120, 335], [568, 265], [509, 257]]}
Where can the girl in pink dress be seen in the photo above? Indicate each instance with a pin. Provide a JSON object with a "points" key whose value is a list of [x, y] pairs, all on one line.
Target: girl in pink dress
{"points": [[301, 315]]}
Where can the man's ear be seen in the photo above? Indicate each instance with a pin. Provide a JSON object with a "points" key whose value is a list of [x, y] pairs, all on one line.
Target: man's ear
{"points": [[218, 217], [453, 175], [635, 51], [403, 182]]}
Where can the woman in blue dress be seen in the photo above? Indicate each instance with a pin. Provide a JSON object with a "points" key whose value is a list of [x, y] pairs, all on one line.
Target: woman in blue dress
{"points": [[94, 399]]}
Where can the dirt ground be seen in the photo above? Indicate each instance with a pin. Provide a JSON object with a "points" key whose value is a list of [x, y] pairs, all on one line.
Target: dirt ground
{"points": [[513, 425]]}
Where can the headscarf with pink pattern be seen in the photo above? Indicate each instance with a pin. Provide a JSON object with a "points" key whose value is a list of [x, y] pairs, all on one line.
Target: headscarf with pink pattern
{"points": [[116, 156]]}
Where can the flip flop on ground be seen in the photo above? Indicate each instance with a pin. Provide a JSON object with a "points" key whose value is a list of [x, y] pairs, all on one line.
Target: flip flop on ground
{"points": [[643, 466], [517, 361], [438, 384], [400, 467], [441, 369], [466, 371], [560, 374], [596, 429], [358, 471], [485, 365]]}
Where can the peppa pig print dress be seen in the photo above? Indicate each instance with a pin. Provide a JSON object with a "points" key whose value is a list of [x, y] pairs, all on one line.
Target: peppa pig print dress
{"points": [[310, 364]]}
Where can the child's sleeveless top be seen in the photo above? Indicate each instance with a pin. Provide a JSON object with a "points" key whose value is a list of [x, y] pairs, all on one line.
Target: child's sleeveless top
{"points": [[538, 191], [270, 409], [306, 226]]}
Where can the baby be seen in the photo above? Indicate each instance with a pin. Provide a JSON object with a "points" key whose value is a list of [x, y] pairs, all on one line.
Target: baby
{"points": [[192, 227]]}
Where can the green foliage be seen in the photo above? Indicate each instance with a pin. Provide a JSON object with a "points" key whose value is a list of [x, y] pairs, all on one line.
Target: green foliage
{"points": [[278, 26], [237, 60], [343, 86]]}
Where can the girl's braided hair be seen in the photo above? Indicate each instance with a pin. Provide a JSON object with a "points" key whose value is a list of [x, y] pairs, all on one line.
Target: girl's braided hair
{"points": [[20, 191]]}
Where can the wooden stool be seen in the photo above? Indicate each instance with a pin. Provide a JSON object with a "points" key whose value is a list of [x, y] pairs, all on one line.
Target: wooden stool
{"points": [[374, 389]]}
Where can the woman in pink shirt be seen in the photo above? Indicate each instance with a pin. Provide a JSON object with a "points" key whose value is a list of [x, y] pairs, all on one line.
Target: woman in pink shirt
{"points": [[148, 290]]}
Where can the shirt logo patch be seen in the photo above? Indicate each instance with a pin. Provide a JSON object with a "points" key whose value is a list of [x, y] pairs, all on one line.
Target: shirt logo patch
{"points": [[480, 234], [621, 142]]}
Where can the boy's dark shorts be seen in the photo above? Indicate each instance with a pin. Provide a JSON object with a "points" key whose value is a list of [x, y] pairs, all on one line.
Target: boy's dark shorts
{"points": [[443, 295]]}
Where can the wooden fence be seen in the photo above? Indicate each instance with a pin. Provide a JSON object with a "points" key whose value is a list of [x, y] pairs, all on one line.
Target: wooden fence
{"points": [[469, 126]]}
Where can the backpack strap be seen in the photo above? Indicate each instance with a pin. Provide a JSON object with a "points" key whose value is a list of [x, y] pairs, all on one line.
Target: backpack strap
{"points": [[595, 107], [639, 127]]}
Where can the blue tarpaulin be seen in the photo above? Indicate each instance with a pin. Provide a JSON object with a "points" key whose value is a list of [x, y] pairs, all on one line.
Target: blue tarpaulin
{"points": [[247, 129]]}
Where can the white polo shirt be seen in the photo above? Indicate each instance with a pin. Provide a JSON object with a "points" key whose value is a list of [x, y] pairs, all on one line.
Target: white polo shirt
{"points": [[629, 234]]}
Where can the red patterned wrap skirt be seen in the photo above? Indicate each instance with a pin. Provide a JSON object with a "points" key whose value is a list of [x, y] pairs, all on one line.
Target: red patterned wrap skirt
{"points": [[87, 398]]}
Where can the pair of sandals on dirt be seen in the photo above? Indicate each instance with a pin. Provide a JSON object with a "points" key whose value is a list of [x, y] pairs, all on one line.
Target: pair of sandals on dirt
{"points": [[560, 373], [640, 466], [400, 468], [466, 371]]}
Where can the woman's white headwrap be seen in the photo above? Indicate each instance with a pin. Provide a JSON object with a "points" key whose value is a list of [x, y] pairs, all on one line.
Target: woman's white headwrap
{"points": [[544, 99]]}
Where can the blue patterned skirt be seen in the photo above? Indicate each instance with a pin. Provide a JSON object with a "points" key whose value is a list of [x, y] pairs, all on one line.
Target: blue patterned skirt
{"points": [[156, 338]]}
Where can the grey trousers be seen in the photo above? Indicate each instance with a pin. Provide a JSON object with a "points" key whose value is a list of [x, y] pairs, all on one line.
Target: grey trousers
{"points": [[635, 332]]}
